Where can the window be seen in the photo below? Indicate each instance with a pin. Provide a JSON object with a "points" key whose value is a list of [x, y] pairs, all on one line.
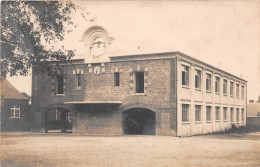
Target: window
{"points": [[237, 90], [224, 113], [231, 115], [197, 113], [139, 79], [217, 84], [15, 112], [208, 109], [208, 82], [78, 76], [243, 115], [231, 89], [117, 78], [217, 113], [185, 113], [60, 82], [237, 114], [198, 79], [243, 92], [185, 75], [225, 87]]}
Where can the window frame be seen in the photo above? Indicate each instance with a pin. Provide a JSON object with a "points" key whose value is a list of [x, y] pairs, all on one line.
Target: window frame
{"points": [[231, 115], [242, 114], [225, 113], [208, 114], [185, 74], [13, 112], [225, 87], [237, 90], [208, 82], [242, 92], [231, 90], [57, 85], [136, 88], [78, 80], [198, 110], [198, 79], [237, 115], [217, 85], [116, 79], [217, 114], [185, 113]]}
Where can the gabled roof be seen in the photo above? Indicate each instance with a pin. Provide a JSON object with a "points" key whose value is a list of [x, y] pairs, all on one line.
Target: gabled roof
{"points": [[9, 91]]}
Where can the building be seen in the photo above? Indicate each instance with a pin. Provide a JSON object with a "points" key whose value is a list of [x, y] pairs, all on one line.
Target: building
{"points": [[253, 115], [15, 111], [166, 93]]}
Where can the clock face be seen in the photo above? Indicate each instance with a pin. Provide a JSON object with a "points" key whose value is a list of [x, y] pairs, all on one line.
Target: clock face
{"points": [[98, 47], [97, 70]]}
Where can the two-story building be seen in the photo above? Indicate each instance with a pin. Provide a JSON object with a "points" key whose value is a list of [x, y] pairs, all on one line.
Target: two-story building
{"points": [[166, 93]]}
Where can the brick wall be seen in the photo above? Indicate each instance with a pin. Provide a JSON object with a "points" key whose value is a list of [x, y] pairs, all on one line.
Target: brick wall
{"points": [[15, 124], [160, 93]]}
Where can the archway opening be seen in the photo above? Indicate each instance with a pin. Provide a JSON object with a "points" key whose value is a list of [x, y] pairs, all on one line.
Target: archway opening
{"points": [[58, 120], [139, 121]]}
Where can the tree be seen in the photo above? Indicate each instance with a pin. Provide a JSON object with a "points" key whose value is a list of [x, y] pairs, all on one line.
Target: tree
{"points": [[29, 31]]}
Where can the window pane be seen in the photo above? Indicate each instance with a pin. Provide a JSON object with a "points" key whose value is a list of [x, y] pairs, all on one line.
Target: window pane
{"points": [[17, 113], [208, 113], [139, 82], [185, 112], [79, 80], [12, 113], [217, 113], [197, 113], [231, 115], [183, 78], [237, 115], [59, 84], [225, 113], [116, 78]]}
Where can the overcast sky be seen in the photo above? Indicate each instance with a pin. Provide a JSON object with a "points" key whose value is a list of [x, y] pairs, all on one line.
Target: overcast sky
{"points": [[223, 34]]}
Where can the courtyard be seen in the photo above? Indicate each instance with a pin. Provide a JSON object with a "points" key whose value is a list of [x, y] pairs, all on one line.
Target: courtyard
{"points": [[41, 150]]}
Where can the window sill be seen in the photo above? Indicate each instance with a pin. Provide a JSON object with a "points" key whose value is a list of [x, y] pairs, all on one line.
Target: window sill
{"points": [[225, 121], [139, 94], [217, 121], [198, 122], [198, 89], [184, 123], [78, 88], [224, 94], [59, 95], [208, 121], [14, 117], [208, 91], [232, 123], [185, 86], [238, 123], [217, 93]]}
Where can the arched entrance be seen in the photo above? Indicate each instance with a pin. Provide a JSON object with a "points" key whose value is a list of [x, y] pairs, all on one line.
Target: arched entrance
{"points": [[58, 120], [139, 121]]}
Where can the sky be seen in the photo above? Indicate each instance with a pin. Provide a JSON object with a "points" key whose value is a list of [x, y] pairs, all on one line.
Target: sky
{"points": [[225, 34]]}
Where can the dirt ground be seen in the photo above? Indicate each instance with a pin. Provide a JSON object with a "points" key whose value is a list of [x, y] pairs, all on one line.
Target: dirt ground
{"points": [[41, 150]]}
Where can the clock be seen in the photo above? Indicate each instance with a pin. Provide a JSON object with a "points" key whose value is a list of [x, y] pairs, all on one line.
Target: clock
{"points": [[97, 70]]}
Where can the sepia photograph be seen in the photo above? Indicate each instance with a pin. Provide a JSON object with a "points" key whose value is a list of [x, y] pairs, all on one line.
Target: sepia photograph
{"points": [[137, 83]]}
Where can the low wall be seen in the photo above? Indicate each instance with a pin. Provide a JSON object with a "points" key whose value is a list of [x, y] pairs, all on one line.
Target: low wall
{"points": [[253, 123]]}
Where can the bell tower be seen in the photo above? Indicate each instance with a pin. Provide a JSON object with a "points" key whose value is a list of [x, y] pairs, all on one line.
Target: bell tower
{"points": [[97, 45]]}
